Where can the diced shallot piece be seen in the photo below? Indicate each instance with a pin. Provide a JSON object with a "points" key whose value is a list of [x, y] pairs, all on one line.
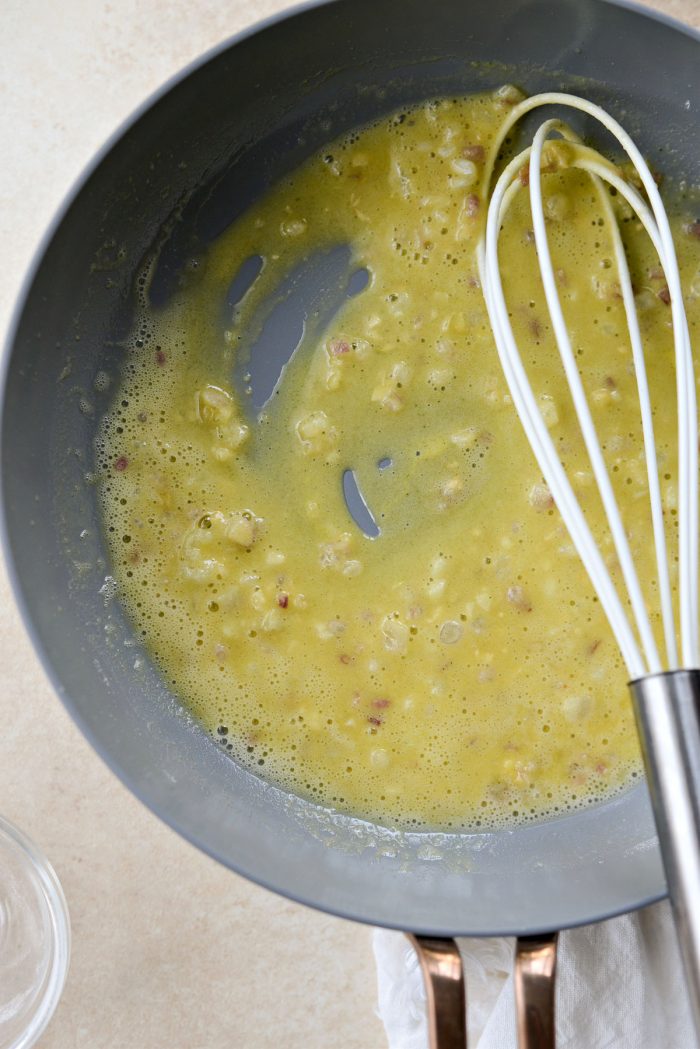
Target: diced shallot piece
{"points": [[519, 599]]}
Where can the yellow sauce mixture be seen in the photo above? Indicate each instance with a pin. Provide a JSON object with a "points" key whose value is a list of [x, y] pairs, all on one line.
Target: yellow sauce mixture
{"points": [[456, 670]]}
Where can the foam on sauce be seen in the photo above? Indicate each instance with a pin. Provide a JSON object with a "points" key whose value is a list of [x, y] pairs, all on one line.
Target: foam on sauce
{"points": [[455, 670]]}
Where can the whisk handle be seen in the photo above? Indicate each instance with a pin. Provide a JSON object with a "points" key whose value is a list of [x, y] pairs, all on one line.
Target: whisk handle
{"points": [[667, 710]]}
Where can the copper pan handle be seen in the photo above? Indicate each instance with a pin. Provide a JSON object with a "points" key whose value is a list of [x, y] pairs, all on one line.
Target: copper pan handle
{"points": [[444, 983], [535, 970]]}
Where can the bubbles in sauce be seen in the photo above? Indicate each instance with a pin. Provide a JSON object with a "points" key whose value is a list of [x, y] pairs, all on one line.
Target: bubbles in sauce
{"points": [[450, 667]]}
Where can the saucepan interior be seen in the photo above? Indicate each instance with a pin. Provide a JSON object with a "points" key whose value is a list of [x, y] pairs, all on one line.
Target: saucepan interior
{"points": [[170, 182]]}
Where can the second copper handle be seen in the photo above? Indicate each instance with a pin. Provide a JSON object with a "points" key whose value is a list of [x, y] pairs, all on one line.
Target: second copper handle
{"points": [[535, 970]]}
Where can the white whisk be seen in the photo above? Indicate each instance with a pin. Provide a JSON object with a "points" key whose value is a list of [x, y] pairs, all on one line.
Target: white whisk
{"points": [[666, 698]]}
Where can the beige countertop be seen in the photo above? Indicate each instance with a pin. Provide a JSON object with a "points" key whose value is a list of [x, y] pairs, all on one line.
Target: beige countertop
{"points": [[169, 949]]}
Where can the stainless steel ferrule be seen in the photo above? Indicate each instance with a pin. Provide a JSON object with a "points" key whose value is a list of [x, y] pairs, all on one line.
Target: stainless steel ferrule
{"points": [[667, 709]]}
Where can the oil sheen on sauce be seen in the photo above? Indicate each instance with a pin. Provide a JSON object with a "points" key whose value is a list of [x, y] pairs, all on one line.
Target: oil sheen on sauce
{"points": [[454, 670]]}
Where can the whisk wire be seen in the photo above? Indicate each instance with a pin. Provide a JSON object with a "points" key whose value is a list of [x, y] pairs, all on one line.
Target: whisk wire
{"points": [[583, 412], [651, 459], [536, 431], [655, 221], [590, 161]]}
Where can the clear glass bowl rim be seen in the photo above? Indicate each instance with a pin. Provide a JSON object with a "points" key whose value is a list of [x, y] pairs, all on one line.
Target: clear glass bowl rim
{"points": [[60, 934]]}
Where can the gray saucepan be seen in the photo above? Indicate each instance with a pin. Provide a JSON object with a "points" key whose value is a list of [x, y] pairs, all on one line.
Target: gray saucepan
{"points": [[168, 182]]}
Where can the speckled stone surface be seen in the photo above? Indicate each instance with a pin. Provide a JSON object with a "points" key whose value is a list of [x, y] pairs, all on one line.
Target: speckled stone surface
{"points": [[170, 951]]}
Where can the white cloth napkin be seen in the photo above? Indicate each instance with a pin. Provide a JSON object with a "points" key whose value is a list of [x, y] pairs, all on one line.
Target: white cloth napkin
{"points": [[619, 986]]}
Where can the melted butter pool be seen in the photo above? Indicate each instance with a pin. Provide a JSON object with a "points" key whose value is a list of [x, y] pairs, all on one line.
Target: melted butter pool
{"points": [[451, 669]]}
